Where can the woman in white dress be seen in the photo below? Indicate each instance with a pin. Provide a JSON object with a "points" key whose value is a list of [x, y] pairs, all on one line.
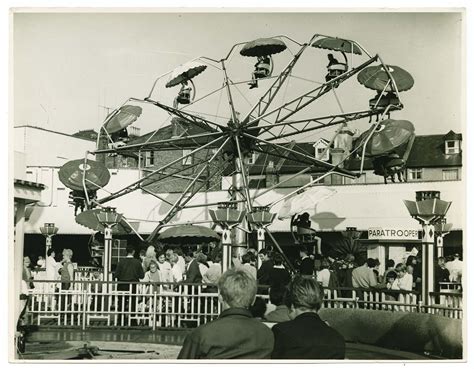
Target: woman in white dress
{"points": [[52, 274]]}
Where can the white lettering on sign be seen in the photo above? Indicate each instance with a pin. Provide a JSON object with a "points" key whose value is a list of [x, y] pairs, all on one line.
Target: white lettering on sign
{"points": [[392, 234]]}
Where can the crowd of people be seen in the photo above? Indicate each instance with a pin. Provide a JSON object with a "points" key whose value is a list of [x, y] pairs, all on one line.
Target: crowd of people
{"points": [[172, 265], [288, 325]]}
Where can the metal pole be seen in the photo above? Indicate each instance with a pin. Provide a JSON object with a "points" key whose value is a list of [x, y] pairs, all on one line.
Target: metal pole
{"points": [[428, 261], [260, 242], [226, 248], [107, 254], [440, 245], [240, 238]]}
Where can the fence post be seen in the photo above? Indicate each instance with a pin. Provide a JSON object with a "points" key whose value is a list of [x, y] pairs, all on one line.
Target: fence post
{"points": [[85, 305]]}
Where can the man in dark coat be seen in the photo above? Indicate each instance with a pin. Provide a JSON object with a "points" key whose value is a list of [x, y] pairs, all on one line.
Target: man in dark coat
{"points": [[307, 336], [307, 264], [263, 273], [193, 274], [279, 276], [128, 270], [235, 334]]}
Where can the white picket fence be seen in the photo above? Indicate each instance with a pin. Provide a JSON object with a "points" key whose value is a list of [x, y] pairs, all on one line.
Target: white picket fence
{"points": [[89, 303]]}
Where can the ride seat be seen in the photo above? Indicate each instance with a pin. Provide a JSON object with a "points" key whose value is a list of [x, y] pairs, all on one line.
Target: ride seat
{"points": [[337, 69], [262, 70], [184, 96], [384, 101], [305, 234]]}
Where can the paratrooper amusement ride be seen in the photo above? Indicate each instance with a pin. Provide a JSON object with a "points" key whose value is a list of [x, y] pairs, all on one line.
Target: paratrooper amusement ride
{"points": [[269, 127]]}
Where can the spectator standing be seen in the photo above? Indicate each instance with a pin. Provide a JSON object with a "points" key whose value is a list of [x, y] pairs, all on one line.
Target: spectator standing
{"points": [[176, 271], [41, 262], [364, 276], [51, 266], [150, 255], [67, 270], [179, 253], [164, 268], [441, 273], [246, 259], [404, 280], [279, 276], [390, 268], [390, 279], [235, 334], [129, 270], [51, 274], [455, 269], [26, 275], [193, 274], [202, 263], [306, 336], [214, 272], [281, 312], [263, 273], [307, 264], [153, 276], [414, 268], [323, 276]]}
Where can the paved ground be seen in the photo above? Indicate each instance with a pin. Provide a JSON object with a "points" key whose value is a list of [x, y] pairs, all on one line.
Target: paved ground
{"points": [[120, 344]]}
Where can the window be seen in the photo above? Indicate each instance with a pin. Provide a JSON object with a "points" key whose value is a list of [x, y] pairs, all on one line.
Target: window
{"points": [[149, 158], [450, 175], [187, 160], [320, 152], [452, 147], [252, 159], [415, 174]]}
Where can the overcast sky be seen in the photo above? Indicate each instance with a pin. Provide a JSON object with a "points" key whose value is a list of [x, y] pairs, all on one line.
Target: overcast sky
{"points": [[66, 66]]}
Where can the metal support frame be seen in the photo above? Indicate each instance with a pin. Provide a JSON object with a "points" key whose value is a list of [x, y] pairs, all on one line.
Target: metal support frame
{"points": [[323, 122], [294, 106], [265, 101], [136, 185], [302, 156]]}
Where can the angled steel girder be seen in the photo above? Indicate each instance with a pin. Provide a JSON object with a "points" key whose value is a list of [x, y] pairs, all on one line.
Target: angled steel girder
{"points": [[189, 192], [264, 102], [300, 156], [191, 118], [136, 185], [292, 107], [323, 122]]}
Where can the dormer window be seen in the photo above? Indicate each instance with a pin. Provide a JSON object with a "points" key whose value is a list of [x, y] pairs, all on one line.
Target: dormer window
{"points": [[321, 150], [452, 147]]}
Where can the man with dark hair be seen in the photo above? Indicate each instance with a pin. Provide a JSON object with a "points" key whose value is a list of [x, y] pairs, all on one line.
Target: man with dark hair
{"points": [[263, 273], [235, 334], [307, 336], [128, 270], [247, 266], [193, 274], [279, 276], [441, 273], [307, 264], [281, 313], [364, 276]]}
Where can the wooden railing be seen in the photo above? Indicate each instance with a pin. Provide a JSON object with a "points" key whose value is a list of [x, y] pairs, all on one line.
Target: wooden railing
{"points": [[88, 304]]}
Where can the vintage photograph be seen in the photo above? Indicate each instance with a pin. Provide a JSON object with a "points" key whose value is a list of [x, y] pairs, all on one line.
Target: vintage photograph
{"points": [[237, 185]]}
